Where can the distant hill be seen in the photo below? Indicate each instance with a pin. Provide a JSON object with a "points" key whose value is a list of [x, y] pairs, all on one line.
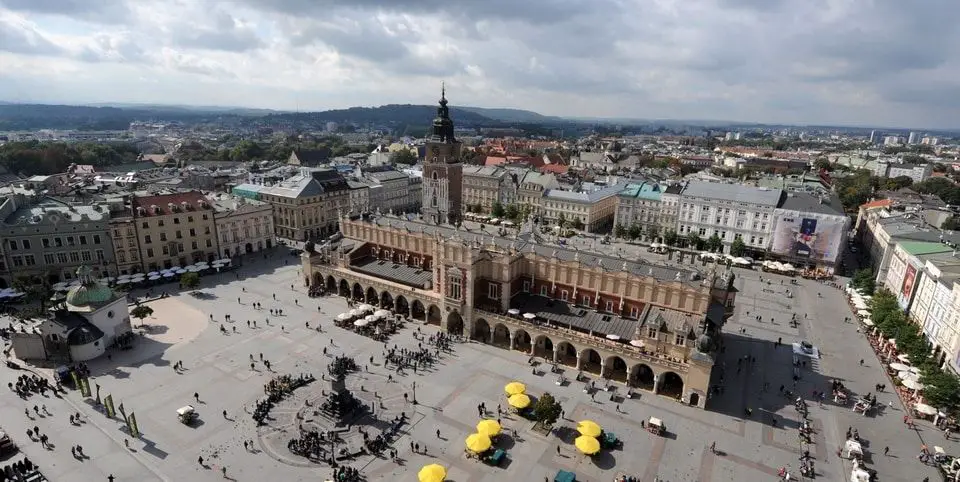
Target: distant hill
{"points": [[15, 117], [513, 115], [391, 114]]}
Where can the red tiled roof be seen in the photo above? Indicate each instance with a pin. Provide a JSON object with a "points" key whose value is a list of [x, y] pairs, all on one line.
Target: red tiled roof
{"points": [[554, 168], [494, 161], [163, 201], [879, 203]]}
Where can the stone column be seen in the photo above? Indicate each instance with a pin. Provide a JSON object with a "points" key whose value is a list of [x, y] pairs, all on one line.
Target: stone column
{"points": [[512, 338], [603, 367], [556, 353], [505, 296], [656, 384], [579, 361]]}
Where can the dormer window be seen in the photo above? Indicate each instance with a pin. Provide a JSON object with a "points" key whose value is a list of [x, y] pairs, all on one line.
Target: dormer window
{"points": [[652, 332], [680, 339]]}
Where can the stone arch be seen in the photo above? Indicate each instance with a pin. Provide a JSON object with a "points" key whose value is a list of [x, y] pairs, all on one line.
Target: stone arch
{"points": [[417, 311], [615, 368], [317, 281], [372, 296], [357, 292], [642, 376], [455, 323], [434, 317], [386, 300], [670, 384], [401, 305], [566, 353], [590, 361], [331, 284], [543, 347], [344, 288], [481, 331], [501, 336], [521, 341]]}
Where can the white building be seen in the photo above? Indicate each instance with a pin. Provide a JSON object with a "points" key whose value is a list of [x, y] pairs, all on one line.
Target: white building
{"points": [[243, 225], [730, 211]]}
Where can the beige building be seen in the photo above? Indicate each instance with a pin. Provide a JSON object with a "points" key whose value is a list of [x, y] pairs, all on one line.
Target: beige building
{"points": [[126, 244], [243, 225], [175, 229], [531, 187], [644, 326], [485, 185], [305, 206], [595, 209]]}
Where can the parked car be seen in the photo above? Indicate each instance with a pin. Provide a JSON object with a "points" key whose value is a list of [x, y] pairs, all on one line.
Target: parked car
{"points": [[296, 252]]}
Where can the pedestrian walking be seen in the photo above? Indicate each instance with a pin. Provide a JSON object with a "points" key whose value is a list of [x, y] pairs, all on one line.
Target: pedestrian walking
{"points": [[196, 396], [886, 450], [861, 362], [200, 460], [558, 450], [438, 433], [224, 414], [223, 469]]}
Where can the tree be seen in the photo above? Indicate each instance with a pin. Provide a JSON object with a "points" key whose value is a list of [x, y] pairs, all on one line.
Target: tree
{"points": [[951, 224], [738, 247], [497, 211], [863, 280], [635, 231], [941, 389], [670, 237], [694, 240], [141, 312], [190, 280], [714, 243], [403, 156], [562, 221], [620, 231], [513, 213], [547, 409], [37, 289], [578, 224]]}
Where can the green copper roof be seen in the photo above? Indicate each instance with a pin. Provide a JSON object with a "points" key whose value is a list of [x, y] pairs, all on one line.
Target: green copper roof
{"points": [[90, 294], [920, 248]]}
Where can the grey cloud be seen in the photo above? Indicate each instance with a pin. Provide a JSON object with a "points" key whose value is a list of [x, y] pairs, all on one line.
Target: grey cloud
{"points": [[224, 36], [22, 39], [110, 48], [99, 11]]}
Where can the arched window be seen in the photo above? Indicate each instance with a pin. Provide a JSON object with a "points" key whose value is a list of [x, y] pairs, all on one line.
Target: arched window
{"points": [[434, 175]]}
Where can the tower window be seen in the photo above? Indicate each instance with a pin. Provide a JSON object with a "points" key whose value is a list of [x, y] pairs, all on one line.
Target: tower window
{"points": [[434, 175]]}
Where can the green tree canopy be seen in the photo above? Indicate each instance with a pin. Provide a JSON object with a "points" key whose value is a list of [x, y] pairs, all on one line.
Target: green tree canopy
{"points": [[714, 243], [403, 156], [141, 312], [863, 280], [694, 240], [635, 231], [497, 211], [738, 247], [190, 280], [547, 409], [670, 237]]}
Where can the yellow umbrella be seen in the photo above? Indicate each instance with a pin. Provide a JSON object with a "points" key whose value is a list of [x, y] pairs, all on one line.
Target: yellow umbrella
{"points": [[488, 427], [519, 400], [432, 473], [587, 445], [589, 428], [478, 442], [514, 388]]}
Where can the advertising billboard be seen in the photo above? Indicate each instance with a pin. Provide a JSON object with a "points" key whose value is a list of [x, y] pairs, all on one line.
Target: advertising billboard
{"points": [[909, 280], [817, 238]]}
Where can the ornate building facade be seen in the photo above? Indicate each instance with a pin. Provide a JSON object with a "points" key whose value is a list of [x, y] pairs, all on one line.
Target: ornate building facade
{"points": [[644, 325], [442, 170]]}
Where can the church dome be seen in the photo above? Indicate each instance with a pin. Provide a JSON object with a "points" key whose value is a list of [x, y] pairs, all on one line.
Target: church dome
{"points": [[90, 292]]}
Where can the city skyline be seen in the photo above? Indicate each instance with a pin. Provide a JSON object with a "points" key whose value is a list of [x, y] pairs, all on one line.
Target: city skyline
{"points": [[820, 63]]}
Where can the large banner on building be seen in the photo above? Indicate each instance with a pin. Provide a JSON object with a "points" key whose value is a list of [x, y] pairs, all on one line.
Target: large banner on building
{"points": [[909, 280], [817, 238]]}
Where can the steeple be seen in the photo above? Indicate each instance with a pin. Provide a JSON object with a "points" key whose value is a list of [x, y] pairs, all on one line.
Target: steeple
{"points": [[442, 124]]}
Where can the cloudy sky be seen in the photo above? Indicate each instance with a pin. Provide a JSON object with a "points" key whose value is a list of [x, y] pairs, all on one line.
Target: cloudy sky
{"points": [[858, 62]]}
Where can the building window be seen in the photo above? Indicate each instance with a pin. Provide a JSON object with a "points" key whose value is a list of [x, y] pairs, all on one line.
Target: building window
{"points": [[131, 243], [455, 287], [204, 217], [29, 260], [45, 242], [13, 245], [62, 258], [133, 255], [652, 332], [176, 220], [609, 307], [26, 243], [189, 219], [74, 256], [58, 242], [85, 255], [193, 245], [585, 300], [634, 312], [147, 239], [121, 257], [49, 258], [17, 261], [526, 286], [163, 237], [564, 296], [179, 234], [71, 241], [83, 240], [96, 239], [149, 252], [165, 250], [493, 291], [179, 247], [209, 243], [679, 339], [145, 225], [193, 232]]}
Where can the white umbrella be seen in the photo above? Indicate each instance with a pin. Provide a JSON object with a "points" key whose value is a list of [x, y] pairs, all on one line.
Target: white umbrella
{"points": [[900, 367], [365, 307], [788, 267], [513, 311], [912, 384], [359, 323], [153, 273], [180, 271], [223, 260], [868, 322], [109, 279], [371, 318], [382, 313], [355, 313], [907, 375], [154, 278], [138, 279], [860, 305], [174, 267], [924, 408], [193, 269], [169, 275], [344, 316], [903, 357], [863, 313], [529, 316], [613, 337], [913, 370], [123, 276], [637, 343], [123, 281]]}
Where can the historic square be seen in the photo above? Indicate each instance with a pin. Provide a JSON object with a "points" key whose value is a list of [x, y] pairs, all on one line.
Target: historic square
{"points": [[217, 367]]}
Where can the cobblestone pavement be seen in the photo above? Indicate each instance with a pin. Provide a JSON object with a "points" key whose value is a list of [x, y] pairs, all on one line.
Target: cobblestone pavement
{"points": [[218, 369]]}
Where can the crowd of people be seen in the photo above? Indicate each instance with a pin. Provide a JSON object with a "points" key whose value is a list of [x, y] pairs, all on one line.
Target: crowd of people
{"points": [[341, 366], [28, 385], [277, 389], [19, 470]]}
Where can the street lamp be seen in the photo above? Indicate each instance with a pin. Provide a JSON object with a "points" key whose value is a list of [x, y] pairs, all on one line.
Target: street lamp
{"points": [[414, 393]]}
